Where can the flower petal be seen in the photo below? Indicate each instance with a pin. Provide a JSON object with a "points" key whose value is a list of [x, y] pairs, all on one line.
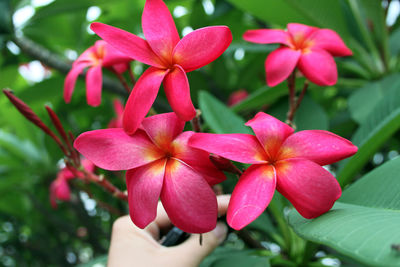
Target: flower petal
{"points": [[298, 30], [177, 90], [87, 165], [270, 131], [310, 188], [70, 80], [114, 57], [319, 67], [109, 54], [159, 28], [118, 107], [163, 128], [142, 98], [320, 146], [94, 82], [267, 36], [251, 195], [197, 159], [238, 147], [119, 111], [330, 41], [88, 56], [280, 64], [201, 47], [144, 188], [127, 43], [189, 201], [112, 149], [59, 189]]}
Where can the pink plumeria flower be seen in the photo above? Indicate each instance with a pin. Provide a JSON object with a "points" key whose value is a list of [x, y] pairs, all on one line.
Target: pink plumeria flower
{"points": [[95, 58], [119, 111], [290, 162], [59, 188], [169, 57], [160, 164], [310, 49]]}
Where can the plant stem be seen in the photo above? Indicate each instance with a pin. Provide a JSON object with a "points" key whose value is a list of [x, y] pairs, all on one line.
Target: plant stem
{"points": [[103, 182], [245, 235], [196, 122], [292, 89], [122, 80], [296, 105], [30, 115], [102, 204], [131, 76], [280, 220], [52, 60]]}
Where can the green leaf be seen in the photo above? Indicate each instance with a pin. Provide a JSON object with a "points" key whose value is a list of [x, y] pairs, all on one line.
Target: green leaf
{"points": [[326, 14], [100, 261], [375, 15], [394, 42], [266, 96], [14, 202], [60, 7], [378, 189], [5, 17], [364, 224], [363, 101], [229, 257], [263, 96], [310, 115], [382, 122], [219, 117], [23, 150]]}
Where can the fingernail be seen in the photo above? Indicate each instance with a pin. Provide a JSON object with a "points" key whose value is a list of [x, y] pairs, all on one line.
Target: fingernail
{"points": [[220, 231]]}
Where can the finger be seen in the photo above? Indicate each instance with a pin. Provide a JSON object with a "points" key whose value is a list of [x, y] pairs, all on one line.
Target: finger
{"points": [[161, 222], [223, 202], [191, 253], [124, 231], [162, 219]]}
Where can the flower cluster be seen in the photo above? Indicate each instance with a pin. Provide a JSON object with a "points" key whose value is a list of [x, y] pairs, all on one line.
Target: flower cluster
{"points": [[163, 162], [308, 48], [160, 164], [169, 57], [95, 58], [290, 162]]}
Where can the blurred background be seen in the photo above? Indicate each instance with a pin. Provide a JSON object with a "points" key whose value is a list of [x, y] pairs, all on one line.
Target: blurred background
{"points": [[40, 38]]}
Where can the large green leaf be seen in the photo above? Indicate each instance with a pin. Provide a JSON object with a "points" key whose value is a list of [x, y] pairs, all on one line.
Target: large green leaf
{"points": [[326, 14], [263, 96], [229, 257], [219, 117], [394, 42], [310, 114], [381, 123], [364, 224], [364, 100], [266, 96], [64, 6], [5, 17]]}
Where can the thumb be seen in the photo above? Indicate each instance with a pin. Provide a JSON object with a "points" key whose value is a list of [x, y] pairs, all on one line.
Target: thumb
{"points": [[193, 253]]}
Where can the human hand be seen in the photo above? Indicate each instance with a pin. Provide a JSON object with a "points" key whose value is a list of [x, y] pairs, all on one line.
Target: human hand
{"points": [[132, 246]]}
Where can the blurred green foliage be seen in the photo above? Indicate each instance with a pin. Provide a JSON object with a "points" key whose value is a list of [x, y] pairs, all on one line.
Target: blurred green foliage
{"points": [[363, 107]]}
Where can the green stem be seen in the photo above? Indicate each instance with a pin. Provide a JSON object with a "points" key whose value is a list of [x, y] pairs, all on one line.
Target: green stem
{"points": [[366, 35], [283, 227]]}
